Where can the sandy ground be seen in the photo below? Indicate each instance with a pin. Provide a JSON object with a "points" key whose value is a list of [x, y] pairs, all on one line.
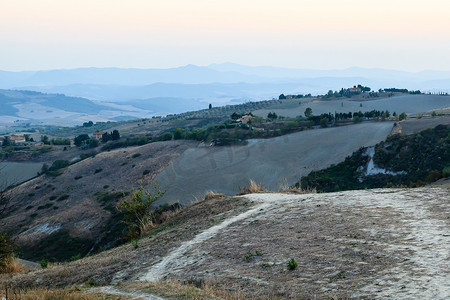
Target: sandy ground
{"points": [[271, 162]]}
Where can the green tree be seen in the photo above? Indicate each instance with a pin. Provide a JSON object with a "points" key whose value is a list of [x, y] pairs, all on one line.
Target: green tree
{"points": [[179, 134], [81, 139], [282, 96], [324, 122], [115, 135], [45, 139], [272, 115], [308, 112], [136, 209], [6, 141], [106, 137], [402, 116], [88, 124]]}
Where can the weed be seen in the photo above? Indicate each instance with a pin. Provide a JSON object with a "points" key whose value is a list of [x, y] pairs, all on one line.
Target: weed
{"points": [[258, 253], [292, 265], [135, 244], [75, 257], [45, 264], [338, 276]]}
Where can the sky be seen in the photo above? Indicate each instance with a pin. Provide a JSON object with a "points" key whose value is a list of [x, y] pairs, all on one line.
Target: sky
{"points": [[409, 35]]}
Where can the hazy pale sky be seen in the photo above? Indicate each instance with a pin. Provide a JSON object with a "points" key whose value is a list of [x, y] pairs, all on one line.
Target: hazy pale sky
{"points": [[320, 34]]}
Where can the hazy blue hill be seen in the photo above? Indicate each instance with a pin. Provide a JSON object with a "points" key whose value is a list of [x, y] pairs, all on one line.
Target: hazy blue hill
{"points": [[9, 98], [6, 106], [116, 76]]}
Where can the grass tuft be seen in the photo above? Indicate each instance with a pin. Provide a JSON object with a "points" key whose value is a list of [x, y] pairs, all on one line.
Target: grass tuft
{"points": [[252, 188]]}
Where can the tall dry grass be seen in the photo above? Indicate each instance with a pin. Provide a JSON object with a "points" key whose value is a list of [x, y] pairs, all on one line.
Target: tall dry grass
{"points": [[11, 266], [252, 188]]}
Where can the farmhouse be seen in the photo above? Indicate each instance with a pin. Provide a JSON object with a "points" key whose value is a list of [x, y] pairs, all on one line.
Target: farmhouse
{"points": [[355, 90], [17, 138], [98, 135], [244, 119]]}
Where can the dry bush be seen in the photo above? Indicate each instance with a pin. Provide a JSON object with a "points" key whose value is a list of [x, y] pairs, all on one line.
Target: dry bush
{"points": [[252, 188], [212, 195], [11, 266], [168, 215]]}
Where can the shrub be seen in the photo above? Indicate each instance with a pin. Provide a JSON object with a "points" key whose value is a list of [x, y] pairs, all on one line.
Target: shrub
{"points": [[7, 248], [146, 172], [136, 155], [446, 172], [136, 209], [292, 265], [63, 197], [98, 170], [45, 263]]}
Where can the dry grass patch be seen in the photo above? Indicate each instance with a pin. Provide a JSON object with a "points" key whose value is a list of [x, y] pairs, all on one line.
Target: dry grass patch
{"points": [[11, 266], [298, 190], [53, 294], [212, 195], [177, 290], [252, 188]]}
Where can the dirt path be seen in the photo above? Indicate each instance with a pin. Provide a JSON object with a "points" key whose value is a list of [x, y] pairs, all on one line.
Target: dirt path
{"points": [[176, 260], [383, 243], [110, 290]]}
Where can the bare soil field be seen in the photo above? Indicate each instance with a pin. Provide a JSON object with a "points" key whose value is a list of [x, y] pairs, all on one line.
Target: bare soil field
{"points": [[375, 244], [411, 126], [271, 162], [398, 104]]}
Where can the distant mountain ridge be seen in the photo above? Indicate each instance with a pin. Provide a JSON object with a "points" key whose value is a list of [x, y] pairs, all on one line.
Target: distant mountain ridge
{"points": [[216, 83]]}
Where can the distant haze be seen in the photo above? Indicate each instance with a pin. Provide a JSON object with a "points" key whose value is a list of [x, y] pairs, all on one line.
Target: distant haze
{"points": [[321, 34]]}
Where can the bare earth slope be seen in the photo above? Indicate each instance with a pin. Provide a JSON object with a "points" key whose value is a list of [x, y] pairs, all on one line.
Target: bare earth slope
{"points": [[81, 200], [271, 162], [382, 243]]}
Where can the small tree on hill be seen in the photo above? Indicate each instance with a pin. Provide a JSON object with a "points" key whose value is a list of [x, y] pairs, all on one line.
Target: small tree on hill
{"points": [[115, 135], [308, 112], [136, 209]]}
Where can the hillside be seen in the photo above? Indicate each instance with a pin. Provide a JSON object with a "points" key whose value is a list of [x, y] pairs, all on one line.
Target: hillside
{"points": [[57, 109], [384, 243], [402, 160], [75, 211], [275, 162]]}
